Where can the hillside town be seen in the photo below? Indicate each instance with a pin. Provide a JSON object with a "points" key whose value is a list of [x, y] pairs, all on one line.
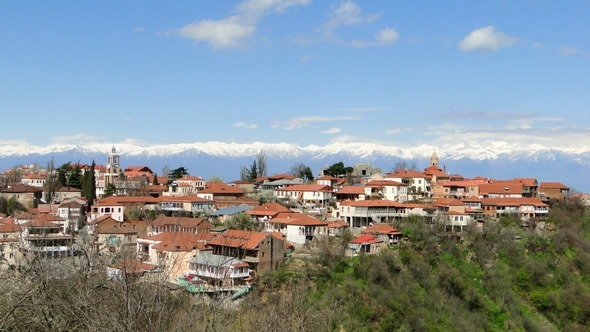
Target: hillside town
{"points": [[214, 236]]}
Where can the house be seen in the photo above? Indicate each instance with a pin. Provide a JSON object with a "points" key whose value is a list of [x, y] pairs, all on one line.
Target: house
{"points": [[117, 206], [190, 205], [298, 228], [583, 198], [263, 251], [112, 236], [221, 215], [278, 184], [418, 183], [171, 251], [457, 189], [385, 189], [326, 180], [65, 193], [34, 180], [46, 235], [530, 186], [350, 193], [246, 186], [315, 195], [525, 208], [10, 234], [74, 212], [384, 232], [218, 190], [336, 227], [163, 224], [550, 191], [219, 270], [24, 194], [367, 212], [501, 189], [365, 243], [267, 211]]}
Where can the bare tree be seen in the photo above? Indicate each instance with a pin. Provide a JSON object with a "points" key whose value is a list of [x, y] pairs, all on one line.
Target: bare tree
{"points": [[51, 181], [261, 163]]}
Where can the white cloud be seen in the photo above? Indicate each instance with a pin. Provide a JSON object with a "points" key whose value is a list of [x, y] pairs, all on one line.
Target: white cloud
{"points": [[332, 131], [394, 131], [486, 39], [348, 13], [138, 29], [76, 138], [384, 37], [364, 109], [570, 51], [245, 125], [229, 32], [234, 30], [538, 45], [300, 122]]}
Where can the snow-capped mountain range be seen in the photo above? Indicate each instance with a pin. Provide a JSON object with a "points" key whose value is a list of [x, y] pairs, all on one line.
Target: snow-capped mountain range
{"points": [[498, 159]]}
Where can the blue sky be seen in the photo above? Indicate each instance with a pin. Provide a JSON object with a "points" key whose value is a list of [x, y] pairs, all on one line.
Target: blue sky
{"points": [[401, 73]]}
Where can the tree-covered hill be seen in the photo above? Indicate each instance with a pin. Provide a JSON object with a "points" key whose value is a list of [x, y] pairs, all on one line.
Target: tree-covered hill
{"points": [[507, 276]]}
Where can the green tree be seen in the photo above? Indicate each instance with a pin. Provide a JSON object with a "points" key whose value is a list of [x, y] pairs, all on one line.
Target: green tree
{"points": [[253, 174], [177, 173], [155, 181], [243, 221], [89, 186], [110, 190], [62, 174], [338, 169], [75, 177]]}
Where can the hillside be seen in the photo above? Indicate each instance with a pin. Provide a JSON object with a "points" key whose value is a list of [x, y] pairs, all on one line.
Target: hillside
{"points": [[509, 276], [504, 278]]}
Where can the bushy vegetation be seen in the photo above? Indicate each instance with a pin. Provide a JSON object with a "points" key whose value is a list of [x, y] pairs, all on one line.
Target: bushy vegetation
{"points": [[504, 277]]}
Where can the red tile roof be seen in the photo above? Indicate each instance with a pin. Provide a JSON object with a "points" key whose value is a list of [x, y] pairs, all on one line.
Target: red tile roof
{"points": [[268, 209], [295, 218], [180, 221], [239, 239], [381, 228], [187, 198], [180, 241], [218, 188], [351, 190], [373, 203], [307, 188], [553, 185], [365, 239]]}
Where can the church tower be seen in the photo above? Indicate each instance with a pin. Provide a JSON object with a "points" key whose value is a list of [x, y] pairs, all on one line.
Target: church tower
{"points": [[113, 168], [434, 159]]}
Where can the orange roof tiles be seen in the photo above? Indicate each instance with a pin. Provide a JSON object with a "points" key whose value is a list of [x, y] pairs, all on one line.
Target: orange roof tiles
{"points": [[180, 241], [381, 228], [373, 203], [180, 221], [365, 239], [221, 189], [351, 190], [307, 188], [553, 185], [296, 218], [239, 239], [268, 209]]}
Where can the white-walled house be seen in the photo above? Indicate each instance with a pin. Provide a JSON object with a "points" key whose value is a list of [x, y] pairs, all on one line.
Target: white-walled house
{"points": [[385, 189], [306, 194], [299, 228], [364, 213]]}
